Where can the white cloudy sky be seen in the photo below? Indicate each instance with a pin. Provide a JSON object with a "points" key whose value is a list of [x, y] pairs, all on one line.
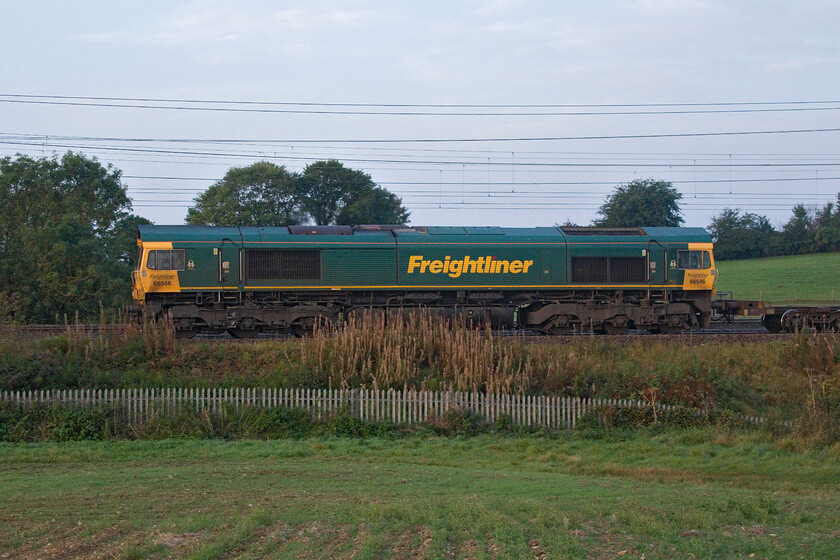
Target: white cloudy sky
{"points": [[503, 52]]}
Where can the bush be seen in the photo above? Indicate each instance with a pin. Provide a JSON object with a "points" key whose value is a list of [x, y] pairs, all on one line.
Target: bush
{"points": [[282, 422], [42, 422], [605, 418], [79, 423], [348, 426], [13, 424], [458, 421]]}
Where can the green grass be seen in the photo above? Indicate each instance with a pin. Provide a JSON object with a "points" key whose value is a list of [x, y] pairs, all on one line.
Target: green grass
{"points": [[696, 493], [792, 279]]}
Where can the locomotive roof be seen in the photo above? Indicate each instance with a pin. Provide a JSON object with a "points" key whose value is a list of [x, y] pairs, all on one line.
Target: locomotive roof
{"points": [[188, 234]]}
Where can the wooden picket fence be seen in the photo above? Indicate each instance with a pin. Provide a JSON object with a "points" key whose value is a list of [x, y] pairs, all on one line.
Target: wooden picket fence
{"points": [[136, 406]]}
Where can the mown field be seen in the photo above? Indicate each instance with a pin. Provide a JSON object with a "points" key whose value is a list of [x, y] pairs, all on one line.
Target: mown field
{"points": [[791, 279], [688, 494]]}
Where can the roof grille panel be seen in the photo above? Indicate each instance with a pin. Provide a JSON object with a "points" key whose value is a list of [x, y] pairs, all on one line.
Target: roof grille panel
{"points": [[576, 230]]}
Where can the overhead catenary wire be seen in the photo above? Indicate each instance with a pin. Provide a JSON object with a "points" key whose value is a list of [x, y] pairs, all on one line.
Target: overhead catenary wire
{"points": [[543, 138], [507, 183], [363, 109], [553, 169], [505, 164], [40, 138], [438, 105]]}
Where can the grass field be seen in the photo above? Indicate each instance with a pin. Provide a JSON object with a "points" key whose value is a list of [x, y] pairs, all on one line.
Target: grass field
{"points": [[690, 494], [803, 278]]}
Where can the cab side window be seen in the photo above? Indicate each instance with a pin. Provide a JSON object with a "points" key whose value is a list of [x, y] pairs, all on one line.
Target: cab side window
{"points": [[178, 259], [683, 260], [693, 260], [166, 259]]}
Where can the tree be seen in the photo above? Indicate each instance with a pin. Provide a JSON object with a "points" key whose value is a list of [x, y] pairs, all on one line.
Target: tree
{"points": [[265, 194], [334, 194], [826, 227], [738, 236], [827, 239], [796, 235], [373, 206], [643, 202], [328, 187], [66, 237], [261, 194]]}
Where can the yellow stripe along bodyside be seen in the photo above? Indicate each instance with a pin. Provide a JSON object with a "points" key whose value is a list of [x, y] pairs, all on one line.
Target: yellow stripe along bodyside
{"points": [[437, 286]]}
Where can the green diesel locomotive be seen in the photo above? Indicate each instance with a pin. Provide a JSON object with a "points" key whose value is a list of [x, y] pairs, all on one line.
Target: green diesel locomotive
{"points": [[248, 280]]}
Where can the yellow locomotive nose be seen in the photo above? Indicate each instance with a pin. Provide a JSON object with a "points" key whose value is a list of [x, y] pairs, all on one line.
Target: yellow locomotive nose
{"points": [[699, 265]]}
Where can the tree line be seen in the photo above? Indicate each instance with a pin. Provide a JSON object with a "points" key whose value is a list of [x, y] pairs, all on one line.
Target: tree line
{"points": [[68, 236], [746, 235], [736, 234], [325, 193]]}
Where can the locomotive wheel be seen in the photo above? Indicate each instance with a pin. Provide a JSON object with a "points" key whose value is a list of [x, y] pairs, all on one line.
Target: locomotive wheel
{"points": [[243, 333], [301, 332], [773, 323], [793, 322]]}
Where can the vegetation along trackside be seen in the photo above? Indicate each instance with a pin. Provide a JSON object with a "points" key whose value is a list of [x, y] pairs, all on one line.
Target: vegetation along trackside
{"points": [[795, 379]]}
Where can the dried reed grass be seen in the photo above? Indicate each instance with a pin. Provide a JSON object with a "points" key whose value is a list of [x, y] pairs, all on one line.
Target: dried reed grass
{"points": [[387, 351]]}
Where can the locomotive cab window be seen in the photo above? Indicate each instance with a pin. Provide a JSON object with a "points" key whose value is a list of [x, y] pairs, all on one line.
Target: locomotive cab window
{"points": [[166, 259], [693, 260]]}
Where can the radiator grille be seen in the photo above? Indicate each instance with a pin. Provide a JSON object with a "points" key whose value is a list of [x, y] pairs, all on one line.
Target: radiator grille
{"points": [[628, 270], [284, 264], [613, 270], [590, 270]]}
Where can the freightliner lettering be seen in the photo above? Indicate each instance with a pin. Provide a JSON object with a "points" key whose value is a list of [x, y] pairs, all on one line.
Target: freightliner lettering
{"points": [[468, 265]]}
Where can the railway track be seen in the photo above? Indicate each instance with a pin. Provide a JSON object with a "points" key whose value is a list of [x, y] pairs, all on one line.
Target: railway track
{"points": [[12, 332], [743, 330]]}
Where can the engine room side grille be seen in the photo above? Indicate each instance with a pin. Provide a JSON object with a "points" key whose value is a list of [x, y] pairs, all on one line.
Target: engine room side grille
{"points": [[283, 264], [590, 270], [613, 270], [628, 270]]}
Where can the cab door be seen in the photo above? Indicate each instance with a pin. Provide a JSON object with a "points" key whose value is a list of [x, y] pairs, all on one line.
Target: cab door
{"points": [[229, 263], [657, 264]]}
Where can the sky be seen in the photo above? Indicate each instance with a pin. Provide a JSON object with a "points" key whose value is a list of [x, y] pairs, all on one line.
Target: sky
{"points": [[504, 112]]}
